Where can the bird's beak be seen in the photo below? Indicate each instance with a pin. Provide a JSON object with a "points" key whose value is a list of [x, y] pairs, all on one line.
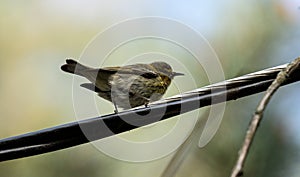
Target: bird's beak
{"points": [[177, 74]]}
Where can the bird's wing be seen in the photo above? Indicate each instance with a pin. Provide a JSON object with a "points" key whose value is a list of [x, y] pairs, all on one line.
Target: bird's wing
{"points": [[137, 69], [91, 87], [102, 75], [103, 94]]}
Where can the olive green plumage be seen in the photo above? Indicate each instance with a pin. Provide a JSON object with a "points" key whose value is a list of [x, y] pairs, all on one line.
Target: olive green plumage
{"points": [[127, 86]]}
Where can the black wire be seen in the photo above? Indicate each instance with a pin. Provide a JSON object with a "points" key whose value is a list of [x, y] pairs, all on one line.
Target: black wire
{"points": [[76, 133]]}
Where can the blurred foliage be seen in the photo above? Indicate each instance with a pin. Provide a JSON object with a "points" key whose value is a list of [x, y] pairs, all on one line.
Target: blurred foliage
{"points": [[36, 37], [271, 153]]}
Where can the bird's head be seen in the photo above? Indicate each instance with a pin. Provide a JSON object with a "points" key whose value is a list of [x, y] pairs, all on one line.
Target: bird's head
{"points": [[164, 68]]}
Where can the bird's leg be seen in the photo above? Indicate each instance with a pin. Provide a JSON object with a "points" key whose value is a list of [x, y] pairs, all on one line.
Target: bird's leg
{"points": [[146, 105], [116, 108]]}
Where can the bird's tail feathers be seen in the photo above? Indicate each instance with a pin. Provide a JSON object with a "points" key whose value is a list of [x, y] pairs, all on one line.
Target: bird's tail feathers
{"points": [[73, 67]]}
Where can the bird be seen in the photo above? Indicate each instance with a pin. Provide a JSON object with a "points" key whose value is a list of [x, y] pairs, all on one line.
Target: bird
{"points": [[126, 86]]}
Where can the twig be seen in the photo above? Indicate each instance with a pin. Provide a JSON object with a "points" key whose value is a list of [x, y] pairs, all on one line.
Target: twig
{"points": [[257, 117], [182, 152], [71, 134]]}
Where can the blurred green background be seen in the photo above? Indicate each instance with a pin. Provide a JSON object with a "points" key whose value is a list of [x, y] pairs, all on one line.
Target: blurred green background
{"points": [[37, 36]]}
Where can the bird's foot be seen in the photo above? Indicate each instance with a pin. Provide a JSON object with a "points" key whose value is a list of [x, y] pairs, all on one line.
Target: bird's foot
{"points": [[116, 108]]}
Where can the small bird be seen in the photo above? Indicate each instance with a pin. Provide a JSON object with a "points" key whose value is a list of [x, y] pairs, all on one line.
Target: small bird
{"points": [[127, 86]]}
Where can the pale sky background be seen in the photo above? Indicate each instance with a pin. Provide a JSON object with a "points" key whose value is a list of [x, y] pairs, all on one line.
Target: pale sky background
{"points": [[36, 37]]}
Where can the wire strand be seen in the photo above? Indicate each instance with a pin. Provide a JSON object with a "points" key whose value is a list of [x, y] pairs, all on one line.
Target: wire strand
{"points": [[71, 134]]}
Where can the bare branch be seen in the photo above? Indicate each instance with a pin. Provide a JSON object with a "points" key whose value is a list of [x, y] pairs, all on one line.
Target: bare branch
{"points": [[257, 117], [182, 152]]}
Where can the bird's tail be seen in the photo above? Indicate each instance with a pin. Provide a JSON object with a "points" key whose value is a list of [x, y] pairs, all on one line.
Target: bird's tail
{"points": [[73, 67]]}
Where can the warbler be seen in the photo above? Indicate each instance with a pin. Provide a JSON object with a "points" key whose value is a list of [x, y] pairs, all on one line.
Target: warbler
{"points": [[126, 86]]}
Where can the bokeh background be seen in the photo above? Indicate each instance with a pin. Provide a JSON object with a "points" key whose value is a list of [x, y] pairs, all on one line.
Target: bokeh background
{"points": [[36, 37]]}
